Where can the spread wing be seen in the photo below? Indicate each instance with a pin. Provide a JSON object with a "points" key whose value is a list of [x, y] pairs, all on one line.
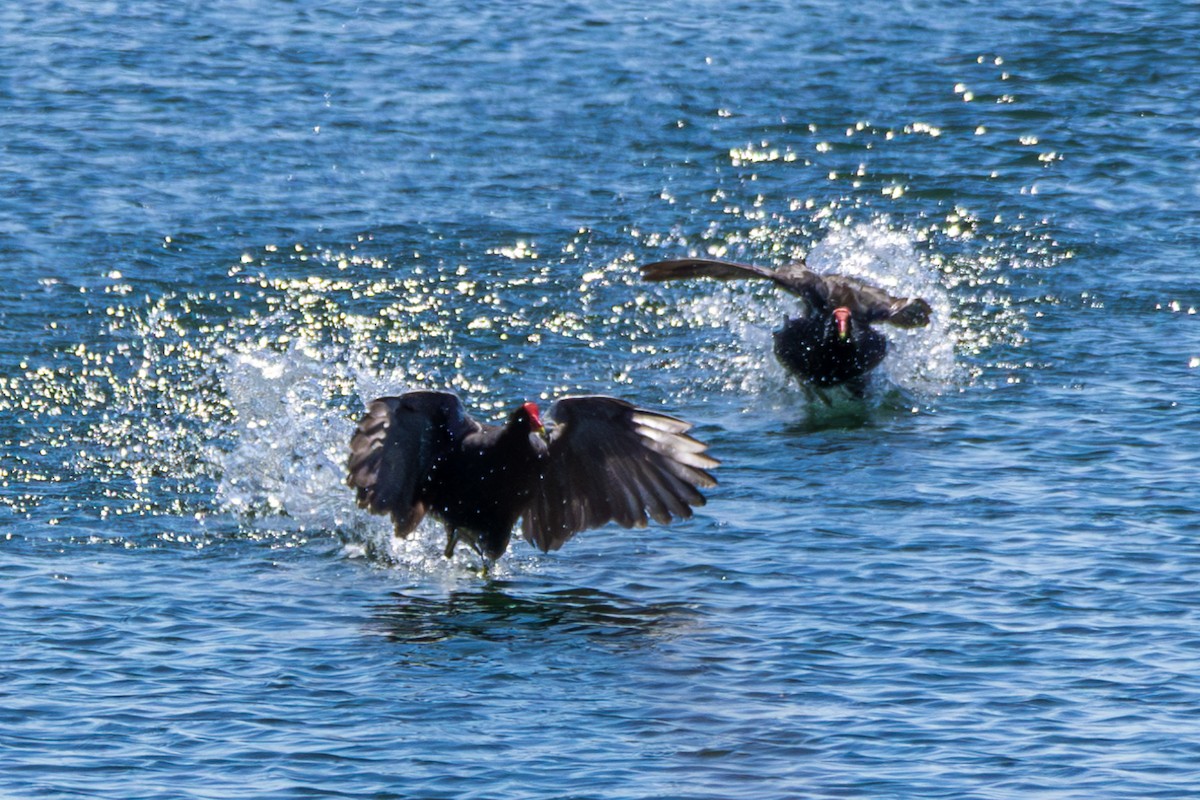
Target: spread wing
{"points": [[683, 268], [869, 301], [795, 277], [610, 461], [397, 444], [822, 293]]}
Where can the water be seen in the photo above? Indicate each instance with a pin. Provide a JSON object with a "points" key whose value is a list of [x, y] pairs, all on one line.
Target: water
{"points": [[227, 225]]}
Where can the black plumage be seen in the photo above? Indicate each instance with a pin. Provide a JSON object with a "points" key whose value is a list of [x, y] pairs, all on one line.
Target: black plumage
{"points": [[601, 460], [833, 343]]}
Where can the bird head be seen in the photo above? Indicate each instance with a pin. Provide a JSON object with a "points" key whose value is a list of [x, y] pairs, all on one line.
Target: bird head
{"points": [[841, 315], [529, 414]]}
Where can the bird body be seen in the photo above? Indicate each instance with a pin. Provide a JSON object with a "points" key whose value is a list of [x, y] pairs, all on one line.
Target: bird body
{"points": [[833, 343], [481, 488], [603, 460], [812, 350]]}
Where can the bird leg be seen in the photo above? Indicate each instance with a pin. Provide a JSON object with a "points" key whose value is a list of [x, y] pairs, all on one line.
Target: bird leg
{"points": [[471, 539], [857, 387], [467, 538], [813, 394]]}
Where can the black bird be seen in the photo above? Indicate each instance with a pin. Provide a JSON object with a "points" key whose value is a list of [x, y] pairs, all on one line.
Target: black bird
{"points": [[602, 460], [833, 343]]}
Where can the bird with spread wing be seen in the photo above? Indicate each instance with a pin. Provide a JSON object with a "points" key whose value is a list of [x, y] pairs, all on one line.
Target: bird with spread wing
{"points": [[833, 342], [599, 460]]}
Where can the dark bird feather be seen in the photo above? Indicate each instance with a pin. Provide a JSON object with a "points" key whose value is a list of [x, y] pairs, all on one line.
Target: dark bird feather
{"points": [[603, 460]]}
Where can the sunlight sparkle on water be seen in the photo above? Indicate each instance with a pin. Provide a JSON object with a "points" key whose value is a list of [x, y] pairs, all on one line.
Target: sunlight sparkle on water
{"points": [[254, 388]]}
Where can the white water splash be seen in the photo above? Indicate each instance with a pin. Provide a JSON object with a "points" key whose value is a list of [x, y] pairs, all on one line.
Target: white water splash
{"points": [[295, 411], [290, 437], [920, 360]]}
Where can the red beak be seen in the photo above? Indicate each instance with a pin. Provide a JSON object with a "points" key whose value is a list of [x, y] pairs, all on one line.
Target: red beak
{"points": [[841, 315]]}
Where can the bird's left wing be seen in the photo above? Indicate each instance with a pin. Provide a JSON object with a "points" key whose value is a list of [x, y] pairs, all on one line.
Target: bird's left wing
{"points": [[610, 461]]}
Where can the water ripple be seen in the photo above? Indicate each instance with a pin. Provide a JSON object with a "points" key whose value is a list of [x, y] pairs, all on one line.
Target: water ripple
{"points": [[226, 227]]}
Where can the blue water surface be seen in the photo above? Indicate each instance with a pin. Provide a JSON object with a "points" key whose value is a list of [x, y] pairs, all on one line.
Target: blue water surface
{"points": [[224, 226]]}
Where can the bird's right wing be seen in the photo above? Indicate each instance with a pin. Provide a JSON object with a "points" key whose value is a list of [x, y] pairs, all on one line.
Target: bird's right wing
{"points": [[396, 445], [683, 268], [610, 461], [794, 277]]}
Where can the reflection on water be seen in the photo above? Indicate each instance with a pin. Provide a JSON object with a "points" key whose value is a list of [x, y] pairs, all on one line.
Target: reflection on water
{"points": [[847, 413], [495, 611]]}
